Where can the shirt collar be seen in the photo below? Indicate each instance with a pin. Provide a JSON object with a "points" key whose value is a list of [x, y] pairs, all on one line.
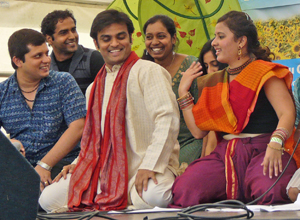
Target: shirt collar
{"points": [[115, 68], [44, 82], [14, 83]]}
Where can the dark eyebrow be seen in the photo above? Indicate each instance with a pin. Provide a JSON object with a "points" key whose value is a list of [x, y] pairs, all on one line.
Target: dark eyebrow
{"points": [[103, 36], [40, 53], [67, 29], [122, 33], [118, 34], [64, 30], [157, 33]]}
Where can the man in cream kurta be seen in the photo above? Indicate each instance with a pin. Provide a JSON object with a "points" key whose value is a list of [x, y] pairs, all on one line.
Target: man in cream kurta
{"points": [[151, 122], [152, 126]]}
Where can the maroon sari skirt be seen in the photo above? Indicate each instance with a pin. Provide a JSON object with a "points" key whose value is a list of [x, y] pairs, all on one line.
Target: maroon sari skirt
{"points": [[204, 180]]}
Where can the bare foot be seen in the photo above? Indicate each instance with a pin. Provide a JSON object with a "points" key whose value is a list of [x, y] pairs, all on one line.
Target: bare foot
{"points": [[293, 193]]}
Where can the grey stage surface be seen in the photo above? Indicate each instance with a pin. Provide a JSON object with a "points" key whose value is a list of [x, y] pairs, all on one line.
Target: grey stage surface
{"points": [[257, 215]]}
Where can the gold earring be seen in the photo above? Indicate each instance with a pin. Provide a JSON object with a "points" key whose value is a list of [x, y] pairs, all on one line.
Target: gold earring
{"points": [[239, 52]]}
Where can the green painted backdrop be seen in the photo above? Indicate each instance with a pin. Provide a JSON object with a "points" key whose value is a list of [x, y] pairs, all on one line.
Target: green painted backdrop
{"points": [[195, 19]]}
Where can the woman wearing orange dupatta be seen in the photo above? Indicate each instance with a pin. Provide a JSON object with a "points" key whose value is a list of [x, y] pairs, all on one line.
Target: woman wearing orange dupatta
{"points": [[250, 107]]}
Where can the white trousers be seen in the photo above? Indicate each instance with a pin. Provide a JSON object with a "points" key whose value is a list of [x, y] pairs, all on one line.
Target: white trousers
{"points": [[295, 181], [54, 197]]}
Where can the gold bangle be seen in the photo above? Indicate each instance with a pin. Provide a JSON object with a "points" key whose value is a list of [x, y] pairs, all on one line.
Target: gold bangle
{"points": [[188, 95], [275, 148]]}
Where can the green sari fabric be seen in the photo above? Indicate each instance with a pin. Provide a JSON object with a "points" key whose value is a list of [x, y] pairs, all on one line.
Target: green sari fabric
{"points": [[190, 148]]}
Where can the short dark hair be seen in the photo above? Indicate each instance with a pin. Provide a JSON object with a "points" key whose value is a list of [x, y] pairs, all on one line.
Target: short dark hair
{"points": [[49, 22], [108, 17], [18, 43]]}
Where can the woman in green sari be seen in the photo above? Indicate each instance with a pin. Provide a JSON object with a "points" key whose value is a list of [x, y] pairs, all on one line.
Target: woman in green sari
{"points": [[161, 40]]}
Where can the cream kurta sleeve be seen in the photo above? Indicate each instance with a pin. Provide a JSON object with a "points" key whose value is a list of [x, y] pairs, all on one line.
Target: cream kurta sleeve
{"points": [[152, 119]]}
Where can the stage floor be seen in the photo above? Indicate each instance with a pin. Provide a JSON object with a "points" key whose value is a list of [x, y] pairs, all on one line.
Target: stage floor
{"points": [[212, 215], [257, 215]]}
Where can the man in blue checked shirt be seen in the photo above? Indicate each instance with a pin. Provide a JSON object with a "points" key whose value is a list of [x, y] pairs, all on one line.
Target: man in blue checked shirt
{"points": [[43, 110]]}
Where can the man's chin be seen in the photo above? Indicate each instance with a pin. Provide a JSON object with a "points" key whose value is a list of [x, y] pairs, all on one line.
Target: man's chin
{"points": [[72, 49]]}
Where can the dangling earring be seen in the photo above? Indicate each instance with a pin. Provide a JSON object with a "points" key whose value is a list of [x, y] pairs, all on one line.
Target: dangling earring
{"points": [[173, 49], [239, 52], [146, 52]]}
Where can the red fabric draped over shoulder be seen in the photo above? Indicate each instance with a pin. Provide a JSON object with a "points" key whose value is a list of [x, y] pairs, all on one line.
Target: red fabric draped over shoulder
{"points": [[105, 156]]}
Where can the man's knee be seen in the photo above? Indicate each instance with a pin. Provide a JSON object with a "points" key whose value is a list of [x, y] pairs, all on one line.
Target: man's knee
{"points": [[161, 194], [46, 200], [55, 197], [158, 197]]}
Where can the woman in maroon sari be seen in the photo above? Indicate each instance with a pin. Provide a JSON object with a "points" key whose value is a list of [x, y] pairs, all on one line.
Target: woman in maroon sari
{"points": [[250, 107]]}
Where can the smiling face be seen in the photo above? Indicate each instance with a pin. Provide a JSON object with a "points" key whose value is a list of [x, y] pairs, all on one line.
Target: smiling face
{"points": [[65, 37], [225, 44], [114, 43], [210, 62], [159, 42], [37, 63]]}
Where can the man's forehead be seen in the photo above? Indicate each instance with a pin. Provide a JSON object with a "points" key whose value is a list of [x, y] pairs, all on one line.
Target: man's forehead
{"points": [[33, 48], [112, 34], [61, 22], [113, 29]]}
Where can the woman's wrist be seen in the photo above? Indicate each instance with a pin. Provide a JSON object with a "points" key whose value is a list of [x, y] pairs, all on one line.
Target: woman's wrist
{"points": [[276, 147], [185, 101], [188, 107], [182, 92]]}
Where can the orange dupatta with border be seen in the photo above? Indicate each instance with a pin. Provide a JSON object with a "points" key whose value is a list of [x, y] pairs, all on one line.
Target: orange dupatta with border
{"points": [[219, 110], [103, 156]]}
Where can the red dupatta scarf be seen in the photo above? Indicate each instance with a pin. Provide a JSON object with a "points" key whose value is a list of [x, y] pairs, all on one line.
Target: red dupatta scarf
{"points": [[225, 109], [103, 156]]}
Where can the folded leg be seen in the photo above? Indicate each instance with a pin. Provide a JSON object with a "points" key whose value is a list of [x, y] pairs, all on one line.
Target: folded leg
{"points": [[54, 197]]}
